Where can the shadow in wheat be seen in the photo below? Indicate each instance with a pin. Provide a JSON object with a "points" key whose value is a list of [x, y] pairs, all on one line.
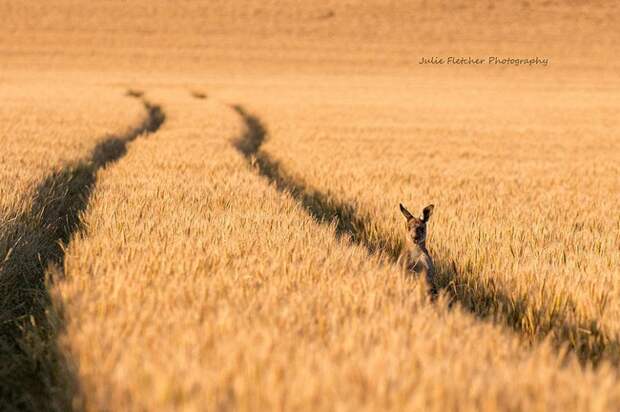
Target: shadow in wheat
{"points": [[322, 207], [484, 299], [33, 373]]}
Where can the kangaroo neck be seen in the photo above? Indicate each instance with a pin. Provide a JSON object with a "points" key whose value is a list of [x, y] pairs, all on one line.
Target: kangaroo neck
{"points": [[418, 248]]}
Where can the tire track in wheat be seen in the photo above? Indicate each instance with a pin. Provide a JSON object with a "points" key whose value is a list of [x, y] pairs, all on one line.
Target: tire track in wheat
{"points": [[33, 373], [584, 337]]}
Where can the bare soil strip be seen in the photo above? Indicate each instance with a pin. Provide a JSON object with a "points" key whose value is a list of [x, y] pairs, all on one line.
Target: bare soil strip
{"points": [[588, 341], [33, 373]]}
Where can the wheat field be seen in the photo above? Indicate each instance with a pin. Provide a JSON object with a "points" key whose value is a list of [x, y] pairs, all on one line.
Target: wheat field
{"points": [[199, 206]]}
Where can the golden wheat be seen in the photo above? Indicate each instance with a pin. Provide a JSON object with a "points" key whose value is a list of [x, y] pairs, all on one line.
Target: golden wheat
{"points": [[46, 134], [242, 257], [210, 288], [525, 227]]}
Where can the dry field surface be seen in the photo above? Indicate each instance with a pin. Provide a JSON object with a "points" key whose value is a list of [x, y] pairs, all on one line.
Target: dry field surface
{"points": [[199, 206]]}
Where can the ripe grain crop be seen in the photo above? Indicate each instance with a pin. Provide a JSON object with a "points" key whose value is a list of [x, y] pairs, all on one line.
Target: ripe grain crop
{"points": [[241, 257], [526, 229], [44, 188], [212, 287]]}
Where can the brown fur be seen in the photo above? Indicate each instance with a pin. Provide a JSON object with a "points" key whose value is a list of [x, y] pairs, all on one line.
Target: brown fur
{"points": [[416, 258]]}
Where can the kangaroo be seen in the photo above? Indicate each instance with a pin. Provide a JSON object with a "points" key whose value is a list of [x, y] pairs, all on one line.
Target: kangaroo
{"points": [[416, 258]]}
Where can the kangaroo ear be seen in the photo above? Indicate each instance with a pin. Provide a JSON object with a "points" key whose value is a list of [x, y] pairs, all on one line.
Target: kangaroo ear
{"points": [[405, 212], [427, 212]]}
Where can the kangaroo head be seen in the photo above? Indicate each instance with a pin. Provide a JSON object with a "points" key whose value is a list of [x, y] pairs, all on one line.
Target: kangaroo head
{"points": [[416, 227]]}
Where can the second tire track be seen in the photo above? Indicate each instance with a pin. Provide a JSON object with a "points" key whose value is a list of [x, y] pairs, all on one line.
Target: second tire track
{"points": [[486, 301]]}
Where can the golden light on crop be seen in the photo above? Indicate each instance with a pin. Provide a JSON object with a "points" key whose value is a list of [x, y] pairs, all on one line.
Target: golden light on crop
{"points": [[199, 205]]}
